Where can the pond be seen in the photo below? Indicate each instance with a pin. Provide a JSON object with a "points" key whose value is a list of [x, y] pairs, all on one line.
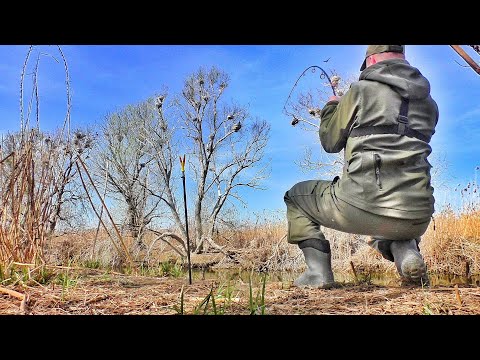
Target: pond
{"points": [[226, 275]]}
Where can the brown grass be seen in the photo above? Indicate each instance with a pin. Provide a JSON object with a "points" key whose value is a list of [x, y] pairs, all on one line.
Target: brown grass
{"points": [[25, 203], [454, 246], [120, 294], [451, 241]]}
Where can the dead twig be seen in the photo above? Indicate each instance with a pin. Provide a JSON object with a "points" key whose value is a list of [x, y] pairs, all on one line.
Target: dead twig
{"points": [[22, 297], [127, 254], [13, 293], [457, 295], [354, 271]]}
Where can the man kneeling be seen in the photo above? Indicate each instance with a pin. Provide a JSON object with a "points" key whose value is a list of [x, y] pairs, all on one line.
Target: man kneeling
{"points": [[384, 124]]}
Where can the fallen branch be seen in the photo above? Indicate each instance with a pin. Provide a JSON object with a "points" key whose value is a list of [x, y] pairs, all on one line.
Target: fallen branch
{"points": [[22, 264], [13, 293], [83, 269], [162, 237]]}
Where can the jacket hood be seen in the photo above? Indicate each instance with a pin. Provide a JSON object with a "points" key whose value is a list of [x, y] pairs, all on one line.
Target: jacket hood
{"points": [[401, 76]]}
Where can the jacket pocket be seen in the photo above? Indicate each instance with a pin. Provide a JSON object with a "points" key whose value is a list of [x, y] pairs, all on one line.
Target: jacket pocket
{"points": [[377, 163], [372, 177]]}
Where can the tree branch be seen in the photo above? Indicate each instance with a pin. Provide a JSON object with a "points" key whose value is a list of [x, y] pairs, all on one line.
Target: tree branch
{"points": [[467, 58]]}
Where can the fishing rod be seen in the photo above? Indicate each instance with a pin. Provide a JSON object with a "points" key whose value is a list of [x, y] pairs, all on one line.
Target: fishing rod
{"points": [[333, 84]]}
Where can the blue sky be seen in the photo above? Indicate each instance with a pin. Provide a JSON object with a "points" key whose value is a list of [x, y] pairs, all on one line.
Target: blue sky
{"points": [[105, 78]]}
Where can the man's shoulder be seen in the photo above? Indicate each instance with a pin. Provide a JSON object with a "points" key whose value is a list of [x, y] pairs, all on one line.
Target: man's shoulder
{"points": [[362, 84], [368, 86], [357, 87]]}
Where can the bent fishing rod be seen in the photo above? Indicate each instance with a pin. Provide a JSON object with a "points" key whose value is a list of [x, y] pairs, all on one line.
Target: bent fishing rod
{"points": [[333, 84]]}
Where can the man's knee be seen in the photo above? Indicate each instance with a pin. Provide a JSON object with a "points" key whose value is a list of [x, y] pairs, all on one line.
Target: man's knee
{"points": [[307, 187]]}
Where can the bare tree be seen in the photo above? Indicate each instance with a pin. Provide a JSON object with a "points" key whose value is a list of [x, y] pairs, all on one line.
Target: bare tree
{"points": [[224, 147], [308, 96], [121, 156]]}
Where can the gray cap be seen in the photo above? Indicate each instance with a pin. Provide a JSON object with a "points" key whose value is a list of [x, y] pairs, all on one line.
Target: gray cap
{"points": [[377, 49]]}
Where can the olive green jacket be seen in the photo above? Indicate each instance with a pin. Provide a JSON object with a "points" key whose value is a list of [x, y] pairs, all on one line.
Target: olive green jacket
{"points": [[386, 174]]}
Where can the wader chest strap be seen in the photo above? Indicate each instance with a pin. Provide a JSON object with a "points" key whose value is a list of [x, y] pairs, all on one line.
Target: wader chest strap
{"points": [[401, 128]]}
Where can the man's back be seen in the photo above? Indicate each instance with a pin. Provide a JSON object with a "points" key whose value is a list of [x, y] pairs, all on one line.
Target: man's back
{"points": [[385, 173]]}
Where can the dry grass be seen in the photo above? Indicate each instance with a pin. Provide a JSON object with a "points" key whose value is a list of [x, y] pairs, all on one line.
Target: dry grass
{"points": [[119, 294], [447, 249], [28, 193], [73, 289], [454, 246]]}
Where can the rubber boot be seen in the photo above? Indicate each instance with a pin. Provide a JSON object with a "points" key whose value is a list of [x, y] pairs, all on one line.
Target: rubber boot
{"points": [[319, 268], [409, 261]]}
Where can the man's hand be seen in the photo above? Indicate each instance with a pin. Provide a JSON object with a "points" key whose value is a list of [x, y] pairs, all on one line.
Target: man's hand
{"points": [[334, 98]]}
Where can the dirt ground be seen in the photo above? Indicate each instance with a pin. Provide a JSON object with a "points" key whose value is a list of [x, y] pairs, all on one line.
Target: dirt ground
{"points": [[95, 293]]}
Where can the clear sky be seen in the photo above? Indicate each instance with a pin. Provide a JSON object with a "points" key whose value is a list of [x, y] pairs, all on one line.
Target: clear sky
{"points": [[107, 77]]}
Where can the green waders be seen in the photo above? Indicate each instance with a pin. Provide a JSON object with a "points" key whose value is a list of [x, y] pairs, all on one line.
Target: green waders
{"points": [[313, 203]]}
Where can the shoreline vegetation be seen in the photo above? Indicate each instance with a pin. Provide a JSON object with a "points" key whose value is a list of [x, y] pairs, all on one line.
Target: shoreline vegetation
{"points": [[38, 263], [450, 246], [127, 265]]}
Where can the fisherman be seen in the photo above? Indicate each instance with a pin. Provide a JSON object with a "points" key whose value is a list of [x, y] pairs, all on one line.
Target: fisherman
{"points": [[384, 124]]}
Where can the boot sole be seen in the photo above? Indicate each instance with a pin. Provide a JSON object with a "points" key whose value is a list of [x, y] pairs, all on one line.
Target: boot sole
{"points": [[324, 286], [313, 282]]}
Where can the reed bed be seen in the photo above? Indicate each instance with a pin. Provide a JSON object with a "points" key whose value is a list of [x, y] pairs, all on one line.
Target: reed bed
{"points": [[451, 246]]}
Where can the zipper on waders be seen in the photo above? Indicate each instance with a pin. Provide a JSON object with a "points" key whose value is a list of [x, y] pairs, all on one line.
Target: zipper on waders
{"points": [[377, 163]]}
